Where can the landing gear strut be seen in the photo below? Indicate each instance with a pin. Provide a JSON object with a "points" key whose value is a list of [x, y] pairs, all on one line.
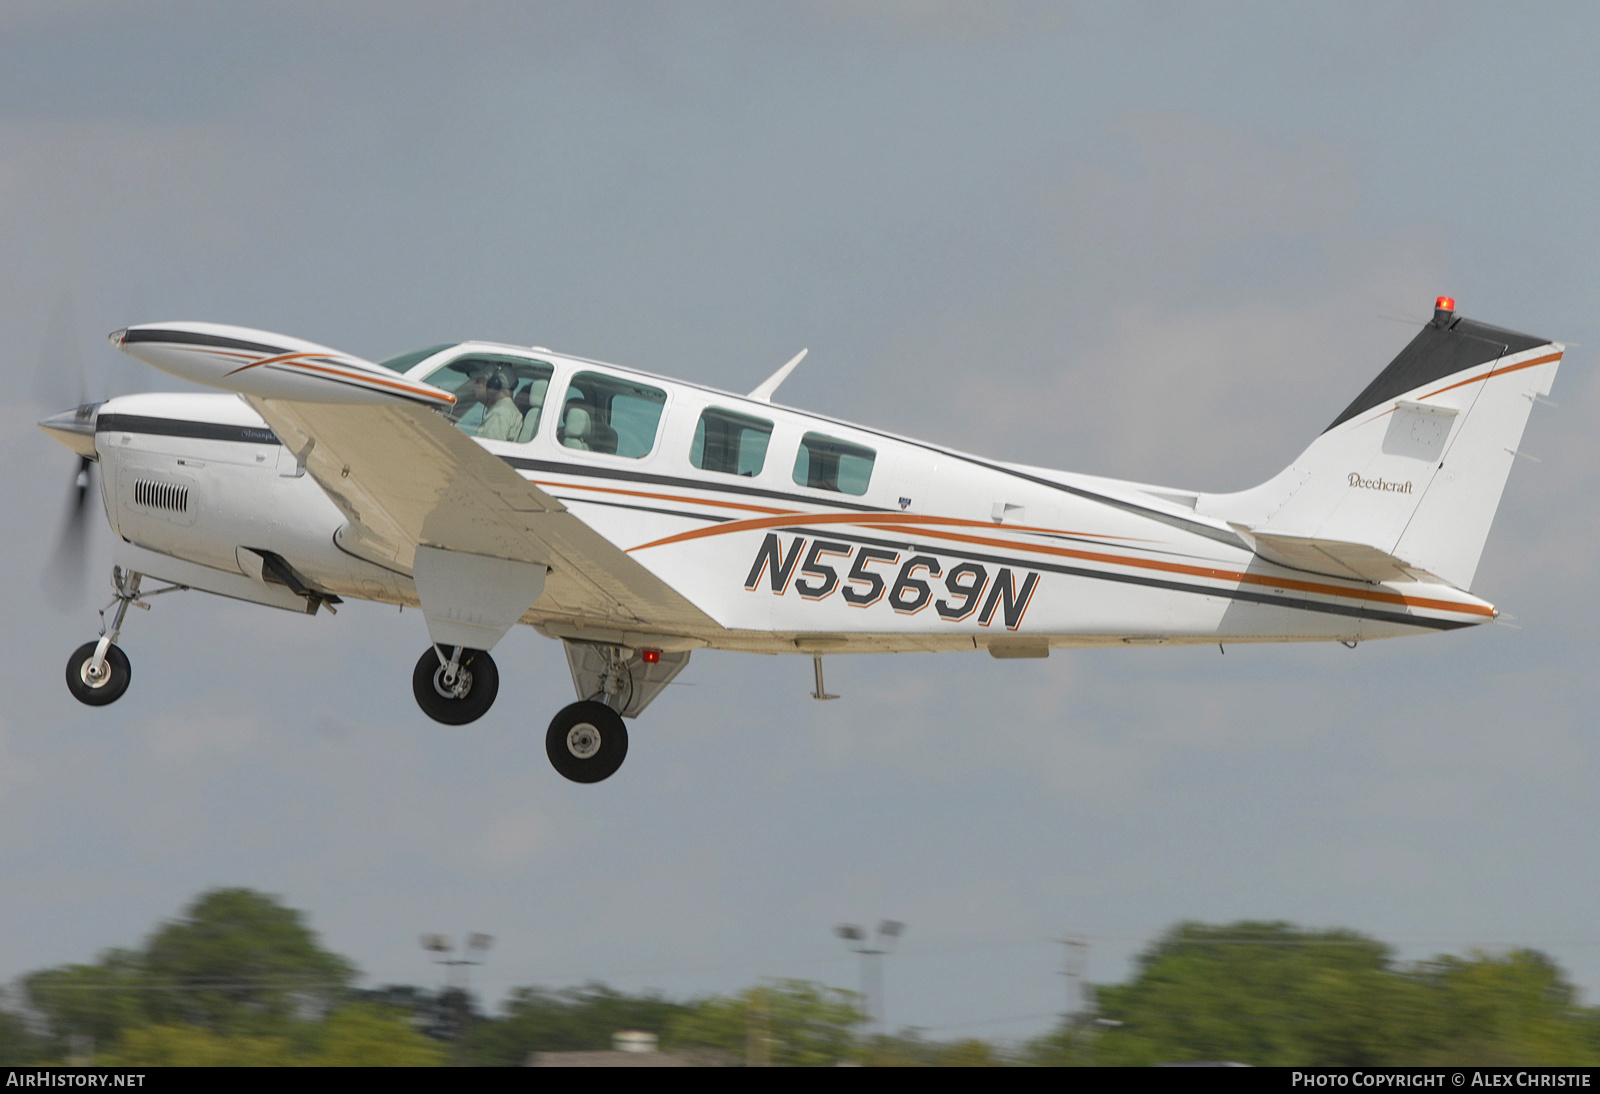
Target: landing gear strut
{"points": [[98, 672], [587, 741], [455, 688]]}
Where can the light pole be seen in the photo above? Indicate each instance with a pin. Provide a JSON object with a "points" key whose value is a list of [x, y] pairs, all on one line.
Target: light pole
{"points": [[889, 931], [455, 994]]}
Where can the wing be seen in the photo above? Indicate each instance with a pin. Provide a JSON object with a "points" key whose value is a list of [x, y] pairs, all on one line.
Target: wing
{"points": [[404, 478]]}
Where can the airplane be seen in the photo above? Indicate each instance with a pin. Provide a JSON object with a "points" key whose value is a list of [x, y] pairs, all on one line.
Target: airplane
{"points": [[637, 518]]}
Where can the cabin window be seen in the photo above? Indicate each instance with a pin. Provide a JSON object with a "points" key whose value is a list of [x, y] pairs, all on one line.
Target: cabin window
{"points": [[610, 414], [498, 398], [730, 443], [826, 463]]}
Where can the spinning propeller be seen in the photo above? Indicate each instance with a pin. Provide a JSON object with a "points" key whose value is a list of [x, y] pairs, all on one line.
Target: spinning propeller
{"points": [[61, 379]]}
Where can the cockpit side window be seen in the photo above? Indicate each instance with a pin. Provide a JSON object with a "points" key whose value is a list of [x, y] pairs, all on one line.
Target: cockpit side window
{"points": [[733, 444], [498, 397], [827, 463], [610, 414]]}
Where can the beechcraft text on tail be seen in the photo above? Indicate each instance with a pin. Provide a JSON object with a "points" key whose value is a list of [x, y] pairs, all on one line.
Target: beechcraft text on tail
{"points": [[637, 518]]}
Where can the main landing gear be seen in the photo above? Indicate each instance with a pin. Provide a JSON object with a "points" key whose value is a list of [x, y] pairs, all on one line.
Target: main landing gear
{"points": [[455, 689], [587, 740]]}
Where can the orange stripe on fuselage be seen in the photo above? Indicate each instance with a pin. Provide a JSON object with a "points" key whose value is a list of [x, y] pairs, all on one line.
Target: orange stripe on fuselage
{"points": [[895, 522], [1219, 574], [663, 497], [828, 518]]}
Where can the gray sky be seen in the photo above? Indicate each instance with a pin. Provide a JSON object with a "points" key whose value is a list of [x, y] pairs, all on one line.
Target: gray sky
{"points": [[1162, 241]]}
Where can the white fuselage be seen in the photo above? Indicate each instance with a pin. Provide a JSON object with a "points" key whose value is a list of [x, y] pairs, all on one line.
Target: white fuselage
{"points": [[942, 550]]}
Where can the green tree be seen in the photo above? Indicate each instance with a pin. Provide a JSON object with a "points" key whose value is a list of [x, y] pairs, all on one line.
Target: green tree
{"points": [[1274, 994], [192, 1046], [790, 1022], [364, 1035], [18, 1046], [1517, 1009], [97, 1001], [908, 1050], [1258, 993], [238, 961], [570, 1020]]}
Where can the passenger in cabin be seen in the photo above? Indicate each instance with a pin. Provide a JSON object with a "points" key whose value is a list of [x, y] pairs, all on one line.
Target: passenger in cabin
{"points": [[502, 421]]}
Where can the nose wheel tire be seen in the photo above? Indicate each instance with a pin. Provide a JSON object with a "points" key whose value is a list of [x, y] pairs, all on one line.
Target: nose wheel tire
{"points": [[587, 742], [98, 688], [455, 702]]}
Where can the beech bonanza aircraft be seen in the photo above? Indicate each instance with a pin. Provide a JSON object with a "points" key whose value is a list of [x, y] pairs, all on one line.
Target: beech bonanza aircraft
{"points": [[643, 518]]}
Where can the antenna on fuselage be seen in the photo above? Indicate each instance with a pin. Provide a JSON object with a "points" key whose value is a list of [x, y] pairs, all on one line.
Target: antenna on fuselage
{"points": [[770, 384]]}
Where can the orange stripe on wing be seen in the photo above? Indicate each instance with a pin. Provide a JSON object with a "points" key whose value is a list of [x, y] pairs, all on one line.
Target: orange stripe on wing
{"points": [[300, 360]]}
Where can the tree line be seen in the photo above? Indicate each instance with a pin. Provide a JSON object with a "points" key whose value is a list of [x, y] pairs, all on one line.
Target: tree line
{"points": [[239, 979]]}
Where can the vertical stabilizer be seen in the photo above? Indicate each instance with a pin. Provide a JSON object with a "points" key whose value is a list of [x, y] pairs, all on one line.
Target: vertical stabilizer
{"points": [[1415, 466]]}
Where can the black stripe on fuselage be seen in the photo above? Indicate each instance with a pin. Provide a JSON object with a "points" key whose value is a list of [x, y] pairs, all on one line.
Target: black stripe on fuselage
{"points": [[253, 434], [908, 544], [645, 509], [178, 427], [195, 338], [1249, 595], [625, 475]]}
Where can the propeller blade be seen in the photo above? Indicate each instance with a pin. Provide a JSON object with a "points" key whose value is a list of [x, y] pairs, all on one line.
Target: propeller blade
{"points": [[65, 575]]}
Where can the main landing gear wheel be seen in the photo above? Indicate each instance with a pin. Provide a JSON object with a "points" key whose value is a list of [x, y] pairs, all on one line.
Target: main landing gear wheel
{"points": [[460, 696], [102, 684], [587, 742]]}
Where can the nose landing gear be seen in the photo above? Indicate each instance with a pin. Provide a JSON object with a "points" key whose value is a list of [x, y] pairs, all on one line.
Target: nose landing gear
{"points": [[456, 689], [98, 672]]}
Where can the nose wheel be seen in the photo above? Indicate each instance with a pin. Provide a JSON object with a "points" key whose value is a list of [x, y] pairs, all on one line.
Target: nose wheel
{"points": [[587, 742], [455, 687], [98, 673]]}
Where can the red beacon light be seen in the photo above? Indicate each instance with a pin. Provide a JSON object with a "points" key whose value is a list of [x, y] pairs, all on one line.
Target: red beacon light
{"points": [[1444, 310], [1445, 303], [650, 657]]}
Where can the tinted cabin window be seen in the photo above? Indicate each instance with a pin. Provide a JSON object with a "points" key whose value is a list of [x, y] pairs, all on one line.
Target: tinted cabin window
{"points": [[730, 443], [610, 414], [825, 463], [498, 398]]}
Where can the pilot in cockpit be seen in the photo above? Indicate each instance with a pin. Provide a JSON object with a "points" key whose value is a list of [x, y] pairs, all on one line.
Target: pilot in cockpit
{"points": [[502, 421]]}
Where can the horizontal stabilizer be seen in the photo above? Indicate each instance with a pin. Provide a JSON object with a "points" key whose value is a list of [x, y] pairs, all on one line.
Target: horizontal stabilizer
{"points": [[1334, 557]]}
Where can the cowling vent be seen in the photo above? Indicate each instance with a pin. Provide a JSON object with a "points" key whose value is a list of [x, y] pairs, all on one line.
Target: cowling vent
{"points": [[161, 495]]}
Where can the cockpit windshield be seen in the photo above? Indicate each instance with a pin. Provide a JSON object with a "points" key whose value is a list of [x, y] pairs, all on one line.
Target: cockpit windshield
{"points": [[405, 361], [498, 397]]}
